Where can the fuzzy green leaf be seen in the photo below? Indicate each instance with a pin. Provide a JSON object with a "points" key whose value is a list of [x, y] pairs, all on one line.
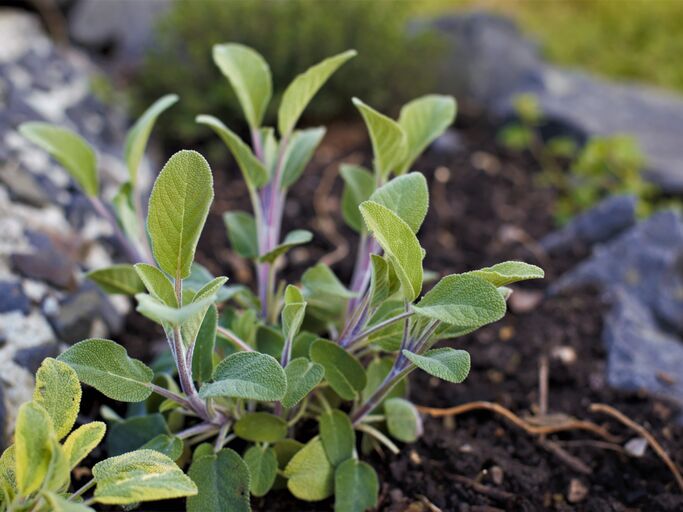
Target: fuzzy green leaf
{"points": [[205, 296], [400, 245], [70, 149], [359, 184], [342, 370], [59, 392], [169, 445], [120, 278], [223, 483], [124, 208], [302, 377], [261, 427], [202, 356], [33, 438], [293, 238], [321, 282], [262, 464], [158, 285], [356, 487], [156, 310], [241, 228], [136, 140], [508, 272], [8, 481], [59, 504], [134, 432], [310, 475], [300, 149], [423, 120], [178, 207], [83, 440], [388, 139], [293, 312], [462, 300], [383, 281], [407, 196], [301, 90], [337, 436], [377, 371], [105, 365], [403, 420], [255, 174], [247, 375], [142, 475], [249, 75], [445, 363]]}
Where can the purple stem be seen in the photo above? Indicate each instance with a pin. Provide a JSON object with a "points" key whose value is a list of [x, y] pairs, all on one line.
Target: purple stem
{"points": [[131, 251]]}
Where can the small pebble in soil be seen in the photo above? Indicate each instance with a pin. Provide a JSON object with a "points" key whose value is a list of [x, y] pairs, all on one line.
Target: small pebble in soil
{"points": [[524, 301], [564, 354], [577, 491], [496, 474], [636, 447]]}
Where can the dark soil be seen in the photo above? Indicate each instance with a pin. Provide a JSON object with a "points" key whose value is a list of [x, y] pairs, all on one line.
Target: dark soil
{"points": [[485, 208]]}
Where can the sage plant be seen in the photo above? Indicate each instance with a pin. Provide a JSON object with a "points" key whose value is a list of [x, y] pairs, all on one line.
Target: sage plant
{"points": [[290, 385]]}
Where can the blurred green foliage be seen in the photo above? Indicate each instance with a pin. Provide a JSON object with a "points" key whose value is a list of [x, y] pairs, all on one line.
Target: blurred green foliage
{"points": [[581, 176], [394, 63]]}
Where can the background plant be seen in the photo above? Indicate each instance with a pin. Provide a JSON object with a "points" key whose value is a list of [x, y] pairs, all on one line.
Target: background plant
{"points": [[394, 63], [253, 372], [581, 175]]}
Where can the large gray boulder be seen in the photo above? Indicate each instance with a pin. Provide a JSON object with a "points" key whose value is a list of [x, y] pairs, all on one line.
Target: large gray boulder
{"points": [[49, 234], [491, 62]]}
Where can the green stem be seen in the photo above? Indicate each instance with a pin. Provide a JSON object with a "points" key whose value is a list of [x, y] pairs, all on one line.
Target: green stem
{"points": [[80, 492]]}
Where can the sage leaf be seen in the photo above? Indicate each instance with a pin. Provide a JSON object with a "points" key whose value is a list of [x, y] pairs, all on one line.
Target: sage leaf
{"points": [[262, 464], [241, 228], [301, 90], [59, 504], [178, 207], [69, 149], [8, 482], [169, 445], [445, 363], [359, 184], [83, 440], [293, 238], [464, 301], [136, 140], [134, 432], [59, 472], [105, 365], [400, 245], [343, 371], [293, 312], [337, 436], [249, 76], [403, 420], [387, 137], [423, 120], [223, 483], [321, 282], [269, 341], [255, 174], [377, 371], [356, 487], [33, 435], [302, 377], [157, 283], [247, 375], [156, 310], [310, 475], [142, 475], [202, 355], [58, 391], [117, 279], [508, 272], [261, 427], [300, 149], [124, 208], [407, 196]]}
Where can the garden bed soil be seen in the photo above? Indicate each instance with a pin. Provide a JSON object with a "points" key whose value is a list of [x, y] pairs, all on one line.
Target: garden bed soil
{"points": [[485, 208]]}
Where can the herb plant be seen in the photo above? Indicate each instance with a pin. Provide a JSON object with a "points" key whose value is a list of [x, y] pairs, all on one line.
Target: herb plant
{"points": [[293, 383]]}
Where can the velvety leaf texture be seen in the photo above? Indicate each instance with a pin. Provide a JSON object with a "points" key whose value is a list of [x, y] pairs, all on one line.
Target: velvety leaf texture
{"points": [[403, 420], [249, 76], [106, 366], [310, 475], [59, 392], [59, 504], [223, 483], [293, 238], [302, 377], [387, 137], [158, 285], [248, 375], [69, 149], [356, 487], [423, 120], [33, 447], [241, 228], [117, 279], [407, 196], [399, 243], [509, 272], [136, 140], [320, 280], [83, 440], [142, 475], [342, 370], [261, 427], [262, 464], [300, 92], [337, 436], [359, 184], [178, 207], [445, 363]]}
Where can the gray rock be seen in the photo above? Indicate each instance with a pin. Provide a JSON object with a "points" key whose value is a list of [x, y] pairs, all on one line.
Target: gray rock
{"points": [[12, 298], [490, 62], [31, 357], [599, 224], [45, 262]]}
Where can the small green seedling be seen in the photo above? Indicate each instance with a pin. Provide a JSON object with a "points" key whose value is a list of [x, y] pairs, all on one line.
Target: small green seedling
{"points": [[288, 386]]}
